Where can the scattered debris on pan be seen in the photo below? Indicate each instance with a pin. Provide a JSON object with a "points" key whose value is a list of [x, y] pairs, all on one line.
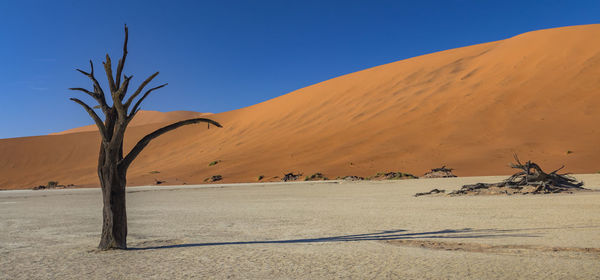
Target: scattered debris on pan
{"points": [[316, 177], [530, 180], [392, 176], [53, 185], [441, 172], [350, 178], [434, 191]]}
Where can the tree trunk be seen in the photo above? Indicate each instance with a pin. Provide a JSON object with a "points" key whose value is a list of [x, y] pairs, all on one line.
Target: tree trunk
{"points": [[114, 215]]}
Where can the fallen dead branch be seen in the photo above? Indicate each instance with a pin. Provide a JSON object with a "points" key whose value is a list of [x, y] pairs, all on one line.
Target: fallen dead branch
{"points": [[530, 180]]}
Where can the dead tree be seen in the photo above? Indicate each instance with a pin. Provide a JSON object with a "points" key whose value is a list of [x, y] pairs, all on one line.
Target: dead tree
{"points": [[530, 180], [112, 162], [531, 175]]}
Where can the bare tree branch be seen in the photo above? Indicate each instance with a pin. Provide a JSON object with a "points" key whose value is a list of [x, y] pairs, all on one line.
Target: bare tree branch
{"points": [[133, 113], [139, 90], [109, 76], [121, 109], [122, 60], [92, 94], [136, 107], [137, 149], [517, 160], [126, 87], [554, 172], [97, 88], [94, 116]]}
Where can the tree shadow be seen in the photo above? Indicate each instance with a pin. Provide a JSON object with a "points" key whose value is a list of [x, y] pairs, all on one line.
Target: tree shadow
{"points": [[399, 234]]}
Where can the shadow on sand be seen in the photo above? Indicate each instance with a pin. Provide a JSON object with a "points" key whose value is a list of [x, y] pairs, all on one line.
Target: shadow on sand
{"points": [[377, 236]]}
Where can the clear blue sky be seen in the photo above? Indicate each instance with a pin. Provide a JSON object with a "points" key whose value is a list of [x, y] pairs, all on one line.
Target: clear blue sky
{"points": [[224, 55]]}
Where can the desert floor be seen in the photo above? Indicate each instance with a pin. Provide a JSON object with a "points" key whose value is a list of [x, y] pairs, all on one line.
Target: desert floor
{"points": [[358, 230]]}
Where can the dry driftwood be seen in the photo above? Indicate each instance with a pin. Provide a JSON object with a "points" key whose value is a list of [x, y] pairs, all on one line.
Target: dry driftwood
{"points": [[530, 180], [434, 191], [441, 172]]}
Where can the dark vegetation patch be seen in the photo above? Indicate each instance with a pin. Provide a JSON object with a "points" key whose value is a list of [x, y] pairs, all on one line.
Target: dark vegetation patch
{"points": [[290, 177], [441, 172], [316, 177], [350, 178], [53, 185], [213, 178], [392, 176], [214, 162]]}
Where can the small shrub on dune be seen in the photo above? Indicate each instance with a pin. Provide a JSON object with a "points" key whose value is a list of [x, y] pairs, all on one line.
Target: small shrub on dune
{"points": [[290, 177], [212, 163], [392, 176], [316, 177], [213, 178]]}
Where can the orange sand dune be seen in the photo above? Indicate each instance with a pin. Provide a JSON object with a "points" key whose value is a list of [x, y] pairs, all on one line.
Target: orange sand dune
{"points": [[143, 118], [471, 108]]}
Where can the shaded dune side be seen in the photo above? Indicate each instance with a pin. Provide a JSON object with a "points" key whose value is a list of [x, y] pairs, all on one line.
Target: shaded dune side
{"points": [[469, 108]]}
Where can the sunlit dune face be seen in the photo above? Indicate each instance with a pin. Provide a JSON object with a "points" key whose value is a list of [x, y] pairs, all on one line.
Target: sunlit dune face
{"points": [[469, 108]]}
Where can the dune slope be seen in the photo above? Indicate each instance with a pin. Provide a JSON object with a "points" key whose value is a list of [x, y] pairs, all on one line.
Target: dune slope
{"points": [[469, 108]]}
